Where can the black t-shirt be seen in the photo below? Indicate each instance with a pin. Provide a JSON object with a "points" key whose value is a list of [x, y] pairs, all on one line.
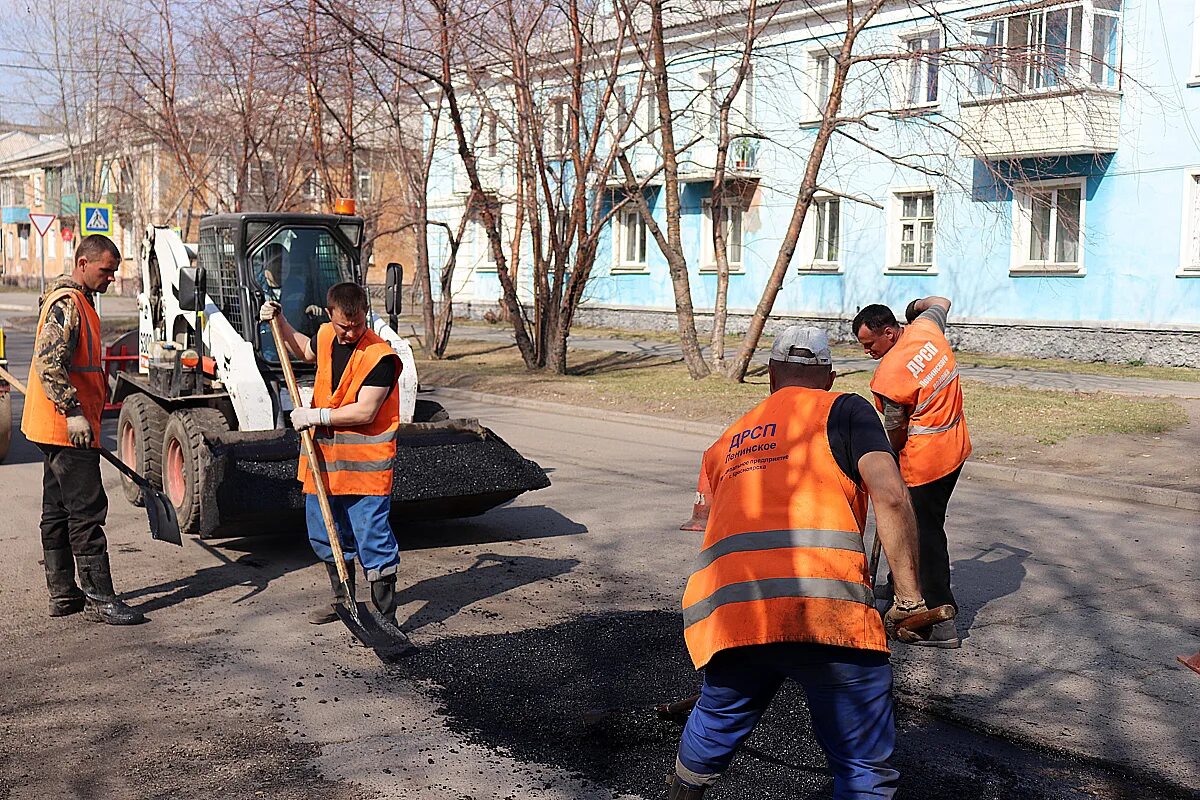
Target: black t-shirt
{"points": [[854, 430], [384, 373]]}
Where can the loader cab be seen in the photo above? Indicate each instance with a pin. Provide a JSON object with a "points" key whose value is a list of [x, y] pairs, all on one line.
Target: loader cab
{"points": [[290, 258]]}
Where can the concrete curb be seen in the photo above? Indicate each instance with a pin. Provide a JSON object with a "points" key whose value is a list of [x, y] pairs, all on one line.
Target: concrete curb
{"points": [[1091, 487]]}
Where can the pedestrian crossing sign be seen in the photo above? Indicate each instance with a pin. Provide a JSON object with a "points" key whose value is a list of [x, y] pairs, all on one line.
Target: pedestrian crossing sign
{"points": [[96, 218]]}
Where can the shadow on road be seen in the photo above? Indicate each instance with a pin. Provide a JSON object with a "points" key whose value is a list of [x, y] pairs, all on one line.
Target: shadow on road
{"points": [[508, 524], [490, 575], [992, 573]]}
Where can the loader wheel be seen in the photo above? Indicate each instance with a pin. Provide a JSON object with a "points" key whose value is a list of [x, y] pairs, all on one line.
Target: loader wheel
{"points": [[186, 462], [139, 439], [5, 423]]}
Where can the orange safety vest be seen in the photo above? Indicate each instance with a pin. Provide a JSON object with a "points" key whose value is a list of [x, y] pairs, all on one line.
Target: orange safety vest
{"points": [[783, 557], [357, 460], [921, 374], [42, 422]]}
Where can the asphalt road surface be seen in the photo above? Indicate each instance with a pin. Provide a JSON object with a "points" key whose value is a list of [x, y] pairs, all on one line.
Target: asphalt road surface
{"points": [[530, 618]]}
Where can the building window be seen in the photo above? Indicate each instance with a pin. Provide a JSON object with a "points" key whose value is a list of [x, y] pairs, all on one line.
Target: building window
{"points": [[561, 125], [912, 230], [828, 244], [1194, 79], [733, 218], [1048, 226], [51, 244], [631, 241], [921, 70], [1189, 262], [822, 82], [39, 191], [23, 238], [1048, 48], [363, 184], [493, 140], [710, 102]]}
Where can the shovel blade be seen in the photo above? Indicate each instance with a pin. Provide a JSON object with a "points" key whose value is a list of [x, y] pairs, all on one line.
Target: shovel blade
{"points": [[164, 523], [1192, 662], [366, 624]]}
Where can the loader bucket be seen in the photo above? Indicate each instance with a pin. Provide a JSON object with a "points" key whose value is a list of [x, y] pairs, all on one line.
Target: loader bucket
{"points": [[446, 469]]}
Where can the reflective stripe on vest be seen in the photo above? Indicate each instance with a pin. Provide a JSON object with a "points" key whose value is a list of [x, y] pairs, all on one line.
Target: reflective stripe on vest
{"points": [[355, 460], [921, 374], [783, 556], [41, 421]]}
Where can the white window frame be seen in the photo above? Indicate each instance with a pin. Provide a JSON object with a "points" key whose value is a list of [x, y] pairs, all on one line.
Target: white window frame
{"points": [[708, 254], [1022, 218], [895, 232], [1189, 234], [811, 233], [51, 244], [621, 232], [709, 102], [39, 190], [23, 234], [910, 70], [362, 184], [1194, 74], [560, 125], [819, 83], [1030, 58]]}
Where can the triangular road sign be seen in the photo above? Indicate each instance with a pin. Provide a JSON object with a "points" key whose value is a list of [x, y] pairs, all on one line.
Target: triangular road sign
{"points": [[42, 222]]}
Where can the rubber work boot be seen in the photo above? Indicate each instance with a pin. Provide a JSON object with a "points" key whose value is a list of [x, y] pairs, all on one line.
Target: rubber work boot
{"points": [[65, 597], [102, 603], [942, 634], [327, 612], [383, 597], [681, 791]]}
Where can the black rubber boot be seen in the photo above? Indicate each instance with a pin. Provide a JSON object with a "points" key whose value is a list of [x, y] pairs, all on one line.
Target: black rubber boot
{"points": [[327, 612], [65, 597], [681, 791], [102, 603], [383, 597]]}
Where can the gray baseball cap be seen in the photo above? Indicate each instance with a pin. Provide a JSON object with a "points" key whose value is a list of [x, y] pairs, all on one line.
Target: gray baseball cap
{"points": [[801, 345]]}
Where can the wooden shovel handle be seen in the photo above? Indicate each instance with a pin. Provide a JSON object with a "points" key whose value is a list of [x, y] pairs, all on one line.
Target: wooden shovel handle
{"points": [[927, 618], [9, 377], [310, 452]]}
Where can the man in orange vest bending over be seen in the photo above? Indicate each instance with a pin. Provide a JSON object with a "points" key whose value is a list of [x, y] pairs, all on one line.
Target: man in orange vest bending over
{"points": [[781, 588], [916, 388], [356, 411], [67, 390]]}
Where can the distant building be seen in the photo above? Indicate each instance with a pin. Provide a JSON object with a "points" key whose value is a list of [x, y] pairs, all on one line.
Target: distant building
{"points": [[1067, 221]]}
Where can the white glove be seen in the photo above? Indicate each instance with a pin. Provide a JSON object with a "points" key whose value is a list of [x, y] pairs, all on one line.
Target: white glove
{"points": [[269, 310], [79, 430], [305, 418]]}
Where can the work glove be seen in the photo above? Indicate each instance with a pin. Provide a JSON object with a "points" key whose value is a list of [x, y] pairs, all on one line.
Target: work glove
{"points": [[79, 430], [305, 418], [899, 611], [269, 310], [910, 311], [314, 311]]}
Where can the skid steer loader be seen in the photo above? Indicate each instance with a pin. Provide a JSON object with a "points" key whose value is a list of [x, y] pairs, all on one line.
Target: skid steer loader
{"points": [[205, 415]]}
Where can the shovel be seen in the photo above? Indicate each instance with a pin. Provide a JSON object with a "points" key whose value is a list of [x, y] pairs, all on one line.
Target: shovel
{"points": [[364, 623], [164, 524]]}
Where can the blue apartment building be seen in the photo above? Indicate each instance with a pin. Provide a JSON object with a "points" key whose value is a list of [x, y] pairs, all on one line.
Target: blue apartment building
{"points": [[1036, 162]]}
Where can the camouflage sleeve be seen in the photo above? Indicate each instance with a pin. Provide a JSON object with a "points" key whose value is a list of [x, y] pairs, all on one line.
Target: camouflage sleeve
{"points": [[53, 350]]}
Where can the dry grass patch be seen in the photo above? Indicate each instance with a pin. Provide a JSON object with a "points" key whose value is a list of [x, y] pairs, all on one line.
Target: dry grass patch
{"points": [[998, 416]]}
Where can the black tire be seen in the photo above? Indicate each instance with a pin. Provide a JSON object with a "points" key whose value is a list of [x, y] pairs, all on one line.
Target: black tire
{"points": [[6, 423], [189, 479], [140, 430]]}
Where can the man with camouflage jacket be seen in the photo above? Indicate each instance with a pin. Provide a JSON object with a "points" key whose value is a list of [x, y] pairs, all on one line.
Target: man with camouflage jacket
{"points": [[67, 391]]}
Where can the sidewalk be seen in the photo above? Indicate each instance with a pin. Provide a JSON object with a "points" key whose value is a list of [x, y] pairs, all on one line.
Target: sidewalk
{"points": [[998, 376]]}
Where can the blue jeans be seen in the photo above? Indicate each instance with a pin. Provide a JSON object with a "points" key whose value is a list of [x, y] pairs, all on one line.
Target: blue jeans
{"points": [[364, 530], [849, 696]]}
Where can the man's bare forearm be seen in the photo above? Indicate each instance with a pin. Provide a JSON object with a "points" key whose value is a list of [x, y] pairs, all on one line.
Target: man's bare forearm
{"points": [[895, 521]]}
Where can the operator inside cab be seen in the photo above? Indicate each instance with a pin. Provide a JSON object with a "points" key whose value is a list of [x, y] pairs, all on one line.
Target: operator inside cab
{"points": [[356, 413]]}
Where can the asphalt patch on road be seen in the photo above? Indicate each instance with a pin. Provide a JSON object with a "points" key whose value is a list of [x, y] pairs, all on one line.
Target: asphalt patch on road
{"points": [[580, 696]]}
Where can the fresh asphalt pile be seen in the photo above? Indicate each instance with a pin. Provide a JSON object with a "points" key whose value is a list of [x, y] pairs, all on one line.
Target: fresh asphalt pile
{"points": [[441, 470], [536, 694]]}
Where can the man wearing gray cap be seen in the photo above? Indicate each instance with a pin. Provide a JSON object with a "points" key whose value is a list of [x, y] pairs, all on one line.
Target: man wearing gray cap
{"points": [[781, 588]]}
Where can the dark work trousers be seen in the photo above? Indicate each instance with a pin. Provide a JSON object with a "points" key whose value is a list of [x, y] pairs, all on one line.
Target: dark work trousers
{"points": [[74, 505], [929, 503]]}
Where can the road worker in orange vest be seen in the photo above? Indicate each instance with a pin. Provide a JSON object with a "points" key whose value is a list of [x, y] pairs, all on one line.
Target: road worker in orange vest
{"points": [[917, 390], [781, 588], [356, 413], [66, 395]]}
